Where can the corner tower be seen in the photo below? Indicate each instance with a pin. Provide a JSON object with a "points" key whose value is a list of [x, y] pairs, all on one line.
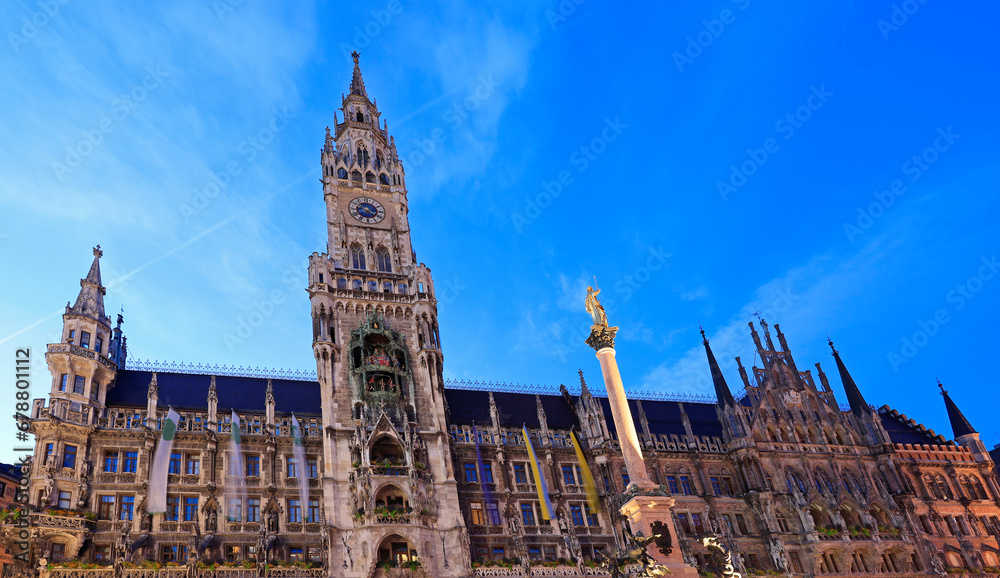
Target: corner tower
{"points": [[379, 360]]}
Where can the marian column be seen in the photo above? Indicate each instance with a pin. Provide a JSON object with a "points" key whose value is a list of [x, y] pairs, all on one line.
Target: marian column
{"points": [[646, 506]]}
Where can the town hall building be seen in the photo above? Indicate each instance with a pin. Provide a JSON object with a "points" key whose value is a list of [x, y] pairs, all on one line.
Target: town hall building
{"points": [[406, 472]]}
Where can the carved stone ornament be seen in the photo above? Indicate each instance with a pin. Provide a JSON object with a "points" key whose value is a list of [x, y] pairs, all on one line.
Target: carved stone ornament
{"points": [[602, 336]]}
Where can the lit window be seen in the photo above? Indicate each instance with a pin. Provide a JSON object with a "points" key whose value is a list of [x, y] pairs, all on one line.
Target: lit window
{"points": [[476, 517]]}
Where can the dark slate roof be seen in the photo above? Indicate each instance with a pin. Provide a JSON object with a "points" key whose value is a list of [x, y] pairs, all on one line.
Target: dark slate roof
{"points": [[901, 432], [189, 391], [515, 409], [11, 471], [960, 426]]}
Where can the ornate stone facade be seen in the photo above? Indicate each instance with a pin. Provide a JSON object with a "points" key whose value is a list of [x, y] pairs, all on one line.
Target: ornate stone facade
{"points": [[402, 469]]}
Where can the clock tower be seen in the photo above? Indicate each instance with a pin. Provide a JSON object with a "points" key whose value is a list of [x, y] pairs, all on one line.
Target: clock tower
{"points": [[388, 478]]}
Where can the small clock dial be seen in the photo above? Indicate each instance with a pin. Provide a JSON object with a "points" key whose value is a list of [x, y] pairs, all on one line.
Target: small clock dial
{"points": [[367, 210]]}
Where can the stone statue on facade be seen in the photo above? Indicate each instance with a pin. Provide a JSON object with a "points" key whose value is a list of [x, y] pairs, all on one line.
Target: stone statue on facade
{"points": [[211, 520], [777, 551]]}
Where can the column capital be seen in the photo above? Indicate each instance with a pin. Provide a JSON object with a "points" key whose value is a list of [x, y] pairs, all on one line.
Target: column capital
{"points": [[602, 337]]}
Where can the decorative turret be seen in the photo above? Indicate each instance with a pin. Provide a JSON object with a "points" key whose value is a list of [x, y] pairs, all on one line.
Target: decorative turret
{"points": [[88, 358], [357, 83], [722, 394], [965, 434]]}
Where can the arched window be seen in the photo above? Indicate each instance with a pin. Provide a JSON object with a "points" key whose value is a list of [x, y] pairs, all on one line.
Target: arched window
{"points": [[356, 176], [387, 287], [370, 177], [943, 487], [383, 179], [978, 486], [361, 116], [363, 157], [373, 286], [383, 260], [341, 283], [341, 173], [356, 284], [357, 257], [402, 288], [379, 160]]}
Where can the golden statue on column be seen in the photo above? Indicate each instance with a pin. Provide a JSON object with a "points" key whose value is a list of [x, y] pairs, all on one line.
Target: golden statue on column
{"points": [[645, 505]]}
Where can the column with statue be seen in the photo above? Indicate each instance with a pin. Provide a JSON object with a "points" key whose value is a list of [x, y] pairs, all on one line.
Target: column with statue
{"points": [[646, 506]]}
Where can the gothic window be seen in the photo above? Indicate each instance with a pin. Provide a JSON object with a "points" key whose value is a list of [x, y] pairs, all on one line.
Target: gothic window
{"points": [[363, 157], [341, 283], [383, 179], [794, 480], [978, 487], [369, 177], [387, 287], [379, 161], [357, 257], [356, 284], [361, 116], [942, 488], [383, 260], [341, 173], [356, 176]]}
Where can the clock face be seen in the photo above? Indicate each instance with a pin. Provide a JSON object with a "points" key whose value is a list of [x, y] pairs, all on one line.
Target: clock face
{"points": [[367, 210]]}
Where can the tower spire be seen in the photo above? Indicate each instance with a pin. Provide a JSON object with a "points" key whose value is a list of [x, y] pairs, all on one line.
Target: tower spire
{"points": [[90, 301], [960, 426], [722, 393], [854, 397], [357, 83]]}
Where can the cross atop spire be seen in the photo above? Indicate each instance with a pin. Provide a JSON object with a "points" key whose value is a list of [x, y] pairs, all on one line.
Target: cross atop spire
{"points": [[357, 83]]}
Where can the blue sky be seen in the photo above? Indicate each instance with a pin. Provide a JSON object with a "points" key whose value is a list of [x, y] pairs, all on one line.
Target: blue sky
{"points": [[716, 158]]}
